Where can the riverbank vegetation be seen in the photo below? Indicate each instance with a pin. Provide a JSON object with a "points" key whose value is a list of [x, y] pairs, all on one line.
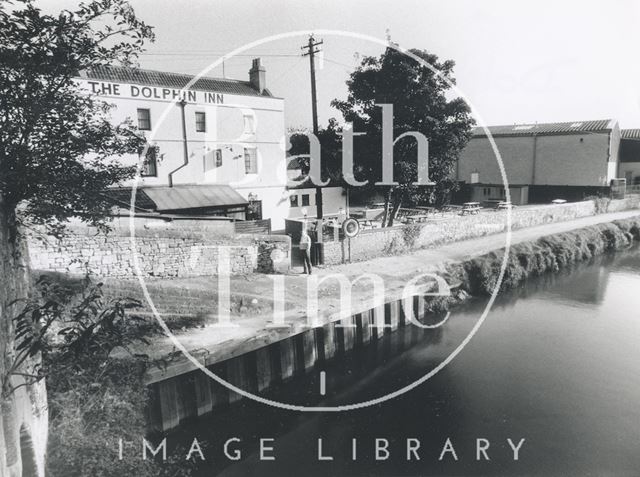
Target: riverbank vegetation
{"points": [[97, 397], [547, 254]]}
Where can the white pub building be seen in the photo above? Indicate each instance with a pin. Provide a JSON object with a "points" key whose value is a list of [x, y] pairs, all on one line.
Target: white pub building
{"points": [[216, 151]]}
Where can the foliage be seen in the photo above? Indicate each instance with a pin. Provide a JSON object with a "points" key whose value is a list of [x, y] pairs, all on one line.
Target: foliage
{"points": [[601, 203], [90, 411], [411, 234], [95, 398], [547, 254], [330, 152], [63, 327], [58, 147], [420, 104]]}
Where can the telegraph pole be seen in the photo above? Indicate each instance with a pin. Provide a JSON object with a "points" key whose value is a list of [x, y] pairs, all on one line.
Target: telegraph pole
{"points": [[311, 51]]}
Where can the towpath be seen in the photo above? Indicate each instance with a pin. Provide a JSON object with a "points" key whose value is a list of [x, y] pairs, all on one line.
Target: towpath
{"points": [[252, 296]]}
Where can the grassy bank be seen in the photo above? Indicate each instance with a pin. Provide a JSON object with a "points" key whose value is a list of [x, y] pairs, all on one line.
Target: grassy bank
{"points": [[548, 254]]}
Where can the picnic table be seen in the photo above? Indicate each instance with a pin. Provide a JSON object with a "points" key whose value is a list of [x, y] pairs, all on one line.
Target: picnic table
{"points": [[504, 205], [470, 208], [410, 219], [493, 203]]}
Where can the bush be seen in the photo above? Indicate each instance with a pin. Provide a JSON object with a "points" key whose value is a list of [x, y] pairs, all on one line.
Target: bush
{"points": [[94, 399], [547, 254], [90, 410], [601, 203]]}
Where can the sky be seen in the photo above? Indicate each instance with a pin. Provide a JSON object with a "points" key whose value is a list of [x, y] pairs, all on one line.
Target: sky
{"points": [[516, 61]]}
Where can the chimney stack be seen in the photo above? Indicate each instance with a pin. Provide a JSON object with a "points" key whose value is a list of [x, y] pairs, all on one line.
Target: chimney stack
{"points": [[257, 75]]}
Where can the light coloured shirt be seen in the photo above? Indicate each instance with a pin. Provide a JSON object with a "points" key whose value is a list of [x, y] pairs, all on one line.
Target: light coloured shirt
{"points": [[305, 241]]}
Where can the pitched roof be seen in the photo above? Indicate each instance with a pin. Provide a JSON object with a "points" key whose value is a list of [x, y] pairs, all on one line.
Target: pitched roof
{"points": [[122, 197], [630, 133], [183, 197], [121, 74], [179, 197], [547, 128]]}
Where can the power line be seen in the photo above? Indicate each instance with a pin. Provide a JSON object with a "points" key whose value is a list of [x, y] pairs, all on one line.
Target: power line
{"points": [[352, 67], [220, 53]]}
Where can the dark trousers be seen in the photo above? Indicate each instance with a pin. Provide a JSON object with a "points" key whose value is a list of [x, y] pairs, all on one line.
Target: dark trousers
{"points": [[306, 260]]}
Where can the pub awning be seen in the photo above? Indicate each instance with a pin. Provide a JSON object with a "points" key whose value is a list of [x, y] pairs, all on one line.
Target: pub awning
{"points": [[182, 197], [179, 197]]}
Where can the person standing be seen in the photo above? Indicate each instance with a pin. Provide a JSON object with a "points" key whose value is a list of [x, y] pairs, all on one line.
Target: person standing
{"points": [[305, 250]]}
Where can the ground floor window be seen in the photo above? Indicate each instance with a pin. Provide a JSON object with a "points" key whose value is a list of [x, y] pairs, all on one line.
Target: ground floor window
{"points": [[250, 160], [213, 159], [150, 163]]}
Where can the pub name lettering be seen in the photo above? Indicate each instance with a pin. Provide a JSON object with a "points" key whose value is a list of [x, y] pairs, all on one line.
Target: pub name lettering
{"points": [[153, 92]]}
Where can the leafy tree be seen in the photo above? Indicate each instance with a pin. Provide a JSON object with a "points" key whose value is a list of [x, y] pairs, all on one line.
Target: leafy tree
{"points": [[330, 152], [57, 145], [420, 104], [58, 149]]}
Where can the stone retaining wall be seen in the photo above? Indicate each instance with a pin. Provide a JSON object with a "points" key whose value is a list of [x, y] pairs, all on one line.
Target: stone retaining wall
{"points": [[372, 243], [161, 252]]}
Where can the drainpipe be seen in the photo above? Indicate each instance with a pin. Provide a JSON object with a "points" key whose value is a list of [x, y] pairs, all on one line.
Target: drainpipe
{"points": [[535, 153], [182, 103]]}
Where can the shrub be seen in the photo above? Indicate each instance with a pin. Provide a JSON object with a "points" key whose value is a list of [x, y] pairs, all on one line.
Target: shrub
{"points": [[94, 398], [547, 254]]}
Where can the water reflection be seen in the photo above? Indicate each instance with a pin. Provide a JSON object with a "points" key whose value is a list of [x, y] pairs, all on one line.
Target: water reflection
{"points": [[556, 362]]}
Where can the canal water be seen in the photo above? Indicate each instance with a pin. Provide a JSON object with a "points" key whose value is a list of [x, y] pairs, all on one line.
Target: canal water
{"points": [[557, 363]]}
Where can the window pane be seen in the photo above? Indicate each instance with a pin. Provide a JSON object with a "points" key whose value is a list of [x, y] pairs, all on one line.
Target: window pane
{"points": [[212, 159], [249, 124], [150, 164], [250, 161], [201, 122], [294, 200], [144, 119], [305, 199]]}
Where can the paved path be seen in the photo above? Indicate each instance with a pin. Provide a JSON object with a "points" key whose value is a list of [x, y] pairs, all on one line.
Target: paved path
{"points": [[463, 250], [256, 292]]}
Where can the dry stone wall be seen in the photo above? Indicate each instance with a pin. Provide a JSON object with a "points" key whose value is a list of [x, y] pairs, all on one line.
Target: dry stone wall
{"points": [[372, 243], [178, 252]]}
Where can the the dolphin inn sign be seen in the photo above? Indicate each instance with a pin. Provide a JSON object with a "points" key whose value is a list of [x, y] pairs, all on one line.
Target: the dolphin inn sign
{"points": [[221, 138]]}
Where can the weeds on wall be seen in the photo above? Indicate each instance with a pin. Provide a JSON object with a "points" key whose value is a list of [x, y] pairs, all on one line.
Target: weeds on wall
{"points": [[404, 241], [601, 203]]}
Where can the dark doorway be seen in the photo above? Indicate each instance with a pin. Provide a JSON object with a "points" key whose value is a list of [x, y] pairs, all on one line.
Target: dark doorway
{"points": [[254, 210]]}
